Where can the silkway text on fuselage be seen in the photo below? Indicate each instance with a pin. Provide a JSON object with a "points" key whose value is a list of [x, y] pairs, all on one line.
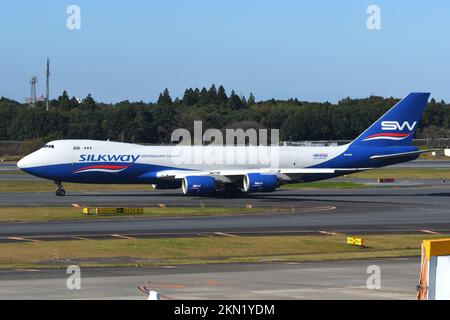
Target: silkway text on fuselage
{"points": [[108, 158]]}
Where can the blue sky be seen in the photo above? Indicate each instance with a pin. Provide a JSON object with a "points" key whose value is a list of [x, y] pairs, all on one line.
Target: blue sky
{"points": [[312, 50]]}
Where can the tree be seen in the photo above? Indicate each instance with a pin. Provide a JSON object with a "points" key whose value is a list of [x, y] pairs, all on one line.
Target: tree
{"points": [[164, 98], [432, 133], [212, 95], [433, 114], [64, 101], [74, 103], [203, 97], [234, 102], [190, 97], [153, 123], [251, 99], [222, 97], [164, 119], [88, 102]]}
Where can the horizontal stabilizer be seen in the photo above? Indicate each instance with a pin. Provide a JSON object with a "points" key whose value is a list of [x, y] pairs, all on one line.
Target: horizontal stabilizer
{"points": [[400, 155]]}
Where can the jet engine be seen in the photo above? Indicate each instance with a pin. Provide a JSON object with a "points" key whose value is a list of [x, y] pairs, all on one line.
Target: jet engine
{"points": [[257, 182], [198, 185], [167, 184]]}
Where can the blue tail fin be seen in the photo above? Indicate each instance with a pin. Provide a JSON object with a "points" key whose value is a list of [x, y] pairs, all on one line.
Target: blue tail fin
{"points": [[397, 126]]}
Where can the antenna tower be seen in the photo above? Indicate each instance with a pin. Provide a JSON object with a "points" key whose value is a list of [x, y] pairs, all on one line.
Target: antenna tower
{"points": [[47, 87]]}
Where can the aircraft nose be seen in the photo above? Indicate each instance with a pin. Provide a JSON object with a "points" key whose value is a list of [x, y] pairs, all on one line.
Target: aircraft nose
{"points": [[20, 164], [32, 164], [23, 163]]}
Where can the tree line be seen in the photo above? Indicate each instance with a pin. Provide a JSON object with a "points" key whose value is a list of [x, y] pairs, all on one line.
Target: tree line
{"points": [[153, 122]]}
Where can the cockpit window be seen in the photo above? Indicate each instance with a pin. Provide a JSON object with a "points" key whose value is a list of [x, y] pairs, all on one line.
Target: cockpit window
{"points": [[49, 146]]}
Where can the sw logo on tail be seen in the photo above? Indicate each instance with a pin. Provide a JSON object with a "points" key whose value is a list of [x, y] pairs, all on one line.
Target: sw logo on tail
{"points": [[395, 125]]}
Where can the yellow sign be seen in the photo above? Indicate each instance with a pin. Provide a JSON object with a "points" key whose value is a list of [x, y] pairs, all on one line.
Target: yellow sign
{"points": [[437, 247], [113, 211], [355, 241]]}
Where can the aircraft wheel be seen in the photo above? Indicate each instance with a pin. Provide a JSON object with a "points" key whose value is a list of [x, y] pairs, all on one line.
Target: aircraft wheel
{"points": [[60, 192]]}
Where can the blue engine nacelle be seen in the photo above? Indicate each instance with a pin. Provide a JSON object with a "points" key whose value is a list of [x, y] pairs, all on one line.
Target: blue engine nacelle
{"points": [[167, 184], [257, 182], [198, 185]]}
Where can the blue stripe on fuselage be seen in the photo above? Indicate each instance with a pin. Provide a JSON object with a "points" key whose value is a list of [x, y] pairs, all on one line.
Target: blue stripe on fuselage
{"points": [[131, 175], [359, 157]]}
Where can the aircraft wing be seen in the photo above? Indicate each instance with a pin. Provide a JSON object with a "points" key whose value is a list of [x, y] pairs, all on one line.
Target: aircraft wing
{"points": [[231, 174], [399, 155]]}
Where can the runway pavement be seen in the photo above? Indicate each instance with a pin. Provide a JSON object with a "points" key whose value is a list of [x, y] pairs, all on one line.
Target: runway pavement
{"points": [[350, 211], [8, 167], [318, 280], [396, 210], [16, 176]]}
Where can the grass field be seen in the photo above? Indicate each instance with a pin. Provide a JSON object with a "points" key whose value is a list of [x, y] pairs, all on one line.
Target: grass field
{"points": [[145, 252], [12, 172], [23, 214]]}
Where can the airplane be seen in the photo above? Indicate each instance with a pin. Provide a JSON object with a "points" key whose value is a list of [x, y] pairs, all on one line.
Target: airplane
{"points": [[385, 142]]}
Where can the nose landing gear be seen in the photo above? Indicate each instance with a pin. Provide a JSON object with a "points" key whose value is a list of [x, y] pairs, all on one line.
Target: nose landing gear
{"points": [[60, 192]]}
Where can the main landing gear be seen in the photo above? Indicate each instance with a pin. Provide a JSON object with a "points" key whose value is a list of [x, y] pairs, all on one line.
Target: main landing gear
{"points": [[60, 192]]}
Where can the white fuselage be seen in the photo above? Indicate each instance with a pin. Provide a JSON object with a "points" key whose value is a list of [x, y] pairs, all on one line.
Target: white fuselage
{"points": [[69, 152]]}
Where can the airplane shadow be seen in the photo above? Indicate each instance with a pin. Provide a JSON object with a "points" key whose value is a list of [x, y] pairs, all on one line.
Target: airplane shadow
{"points": [[280, 196]]}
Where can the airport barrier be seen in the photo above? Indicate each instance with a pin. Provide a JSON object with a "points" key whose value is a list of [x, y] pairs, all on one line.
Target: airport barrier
{"points": [[447, 152], [385, 180], [113, 211], [356, 242], [434, 280], [152, 295]]}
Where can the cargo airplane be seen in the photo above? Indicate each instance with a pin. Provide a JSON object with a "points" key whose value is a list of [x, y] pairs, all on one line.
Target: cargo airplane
{"points": [[385, 142]]}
